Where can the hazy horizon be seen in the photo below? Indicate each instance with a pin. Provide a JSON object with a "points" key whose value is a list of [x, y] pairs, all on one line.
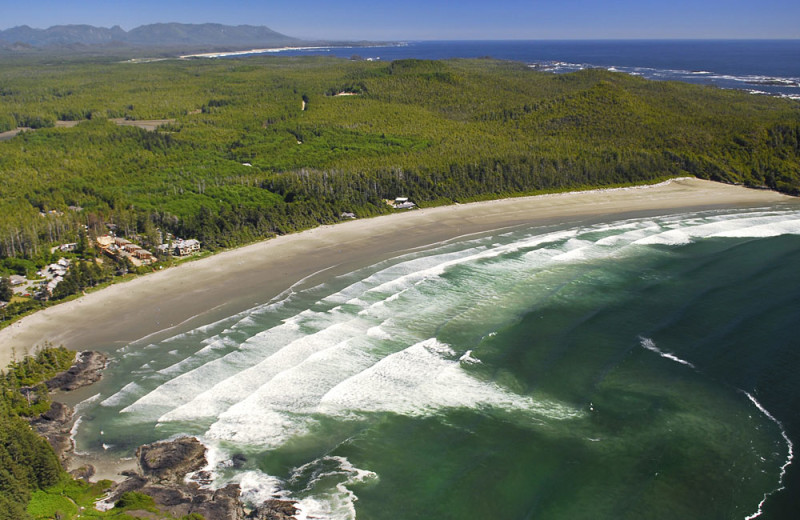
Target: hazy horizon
{"points": [[438, 20]]}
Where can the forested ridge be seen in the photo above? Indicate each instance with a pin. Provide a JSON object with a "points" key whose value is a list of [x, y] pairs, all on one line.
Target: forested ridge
{"points": [[263, 145]]}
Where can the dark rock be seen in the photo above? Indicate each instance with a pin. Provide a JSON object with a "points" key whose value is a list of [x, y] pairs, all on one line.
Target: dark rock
{"points": [[132, 483], [203, 478], [166, 496], [164, 466], [170, 461], [239, 460], [275, 510], [83, 473], [54, 425], [182, 500], [58, 413], [88, 369]]}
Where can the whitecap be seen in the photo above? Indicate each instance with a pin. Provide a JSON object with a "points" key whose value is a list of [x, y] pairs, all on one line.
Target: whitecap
{"points": [[650, 345], [127, 393], [786, 464]]}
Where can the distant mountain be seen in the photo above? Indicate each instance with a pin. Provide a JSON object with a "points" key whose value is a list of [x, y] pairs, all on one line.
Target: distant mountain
{"points": [[153, 35]]}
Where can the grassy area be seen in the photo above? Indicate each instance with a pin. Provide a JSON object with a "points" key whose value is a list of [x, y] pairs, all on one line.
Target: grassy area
{"points": [[75, 500]]}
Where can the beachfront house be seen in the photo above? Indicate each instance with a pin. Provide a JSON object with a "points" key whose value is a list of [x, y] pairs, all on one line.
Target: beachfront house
{"points": [[185, 247], [403, 203], [104, 241], [144, 255]]}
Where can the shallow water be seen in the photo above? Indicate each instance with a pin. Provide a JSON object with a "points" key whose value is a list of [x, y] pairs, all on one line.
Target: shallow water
{"points": [[634, 369]]}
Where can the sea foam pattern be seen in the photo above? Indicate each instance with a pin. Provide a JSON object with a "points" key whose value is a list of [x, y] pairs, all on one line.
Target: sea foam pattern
{"points": [[385, 321], [381, 341]]}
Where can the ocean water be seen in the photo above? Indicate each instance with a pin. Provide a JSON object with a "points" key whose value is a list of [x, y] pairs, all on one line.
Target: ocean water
{"points": [[758, 66], [643, 368]]}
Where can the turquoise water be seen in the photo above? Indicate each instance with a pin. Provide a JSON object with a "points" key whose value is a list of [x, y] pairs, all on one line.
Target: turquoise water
{"points": [[633, 369]]}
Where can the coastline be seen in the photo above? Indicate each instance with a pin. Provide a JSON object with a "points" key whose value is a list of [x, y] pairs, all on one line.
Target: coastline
{"points": [[177, 299]]}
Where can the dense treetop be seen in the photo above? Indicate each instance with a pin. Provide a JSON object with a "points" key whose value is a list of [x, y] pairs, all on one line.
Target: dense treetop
{"points": [[263, 145]]}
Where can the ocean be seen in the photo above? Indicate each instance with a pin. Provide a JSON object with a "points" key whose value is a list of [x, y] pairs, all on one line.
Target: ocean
{"points": [[640, 368], [758, 66]]}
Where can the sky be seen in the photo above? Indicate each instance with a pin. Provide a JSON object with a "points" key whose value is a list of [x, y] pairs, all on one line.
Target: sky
{"points": [[435, 19]]}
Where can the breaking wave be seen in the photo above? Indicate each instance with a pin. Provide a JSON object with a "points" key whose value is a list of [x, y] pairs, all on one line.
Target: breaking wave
{"points": [[401, 338]]}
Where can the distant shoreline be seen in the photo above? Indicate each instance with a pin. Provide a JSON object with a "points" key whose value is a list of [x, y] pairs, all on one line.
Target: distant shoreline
{"points": [[251, 51], [270, 50], [177, 299]]}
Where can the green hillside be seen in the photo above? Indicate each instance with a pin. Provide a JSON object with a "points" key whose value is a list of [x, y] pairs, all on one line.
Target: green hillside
{"points": [[433, 131]]}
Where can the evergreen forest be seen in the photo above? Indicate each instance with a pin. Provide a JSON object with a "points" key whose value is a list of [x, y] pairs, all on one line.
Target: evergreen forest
{"points": [[247, 148], [229, 151], [33, 483]]}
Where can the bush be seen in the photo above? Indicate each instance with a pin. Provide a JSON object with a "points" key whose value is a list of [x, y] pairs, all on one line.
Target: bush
{"points": [[134, 500]]}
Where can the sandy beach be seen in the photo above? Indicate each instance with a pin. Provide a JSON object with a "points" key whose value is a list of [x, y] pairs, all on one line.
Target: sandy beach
{"points": [[173, 300]]}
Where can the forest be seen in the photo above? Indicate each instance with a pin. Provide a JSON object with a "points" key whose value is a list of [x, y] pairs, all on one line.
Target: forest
{"points": [[254, 147], [248, 148], [33, 484]]}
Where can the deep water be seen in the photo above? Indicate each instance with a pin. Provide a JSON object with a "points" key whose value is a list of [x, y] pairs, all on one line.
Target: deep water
{"points": [[759, 66], [636, 369]]}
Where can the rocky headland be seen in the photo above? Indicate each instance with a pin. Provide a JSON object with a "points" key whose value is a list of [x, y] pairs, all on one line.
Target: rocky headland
{"points": [[171, 472]]}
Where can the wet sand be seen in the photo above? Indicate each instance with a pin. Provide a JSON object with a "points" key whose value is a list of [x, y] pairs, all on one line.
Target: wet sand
{"points": [[178, 299]]}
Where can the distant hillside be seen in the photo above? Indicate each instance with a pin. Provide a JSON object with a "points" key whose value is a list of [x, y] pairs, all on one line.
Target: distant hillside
{"points": [[154, 35]]}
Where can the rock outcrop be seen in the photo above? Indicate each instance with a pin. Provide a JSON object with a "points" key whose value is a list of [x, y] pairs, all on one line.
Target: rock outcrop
{"points": [[54, 425], [163, 471], [163, 466], [274, 510], [170, 462], [87, 369]]}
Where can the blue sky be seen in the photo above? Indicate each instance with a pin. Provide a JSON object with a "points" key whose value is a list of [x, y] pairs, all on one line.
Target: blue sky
{"points": [[435, 19]]}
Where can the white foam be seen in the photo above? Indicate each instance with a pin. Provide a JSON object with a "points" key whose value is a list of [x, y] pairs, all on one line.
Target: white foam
{"points": [[345, 379], [198, 388], [468, 359], [772, 229], [126, 394], [73, 432], [244, 383], [258, 487], [371, 347], [420, 380], [757, 225], [336, 502], [786, 464], [282, 407], [250, 383], [650, 345], [378, 333]]}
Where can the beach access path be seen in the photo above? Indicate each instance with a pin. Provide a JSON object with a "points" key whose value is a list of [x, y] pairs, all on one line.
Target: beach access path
{"points": [[158, 305]]}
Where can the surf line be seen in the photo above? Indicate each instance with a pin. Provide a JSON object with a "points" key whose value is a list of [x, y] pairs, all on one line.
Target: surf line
{"points": [[786, 464], [650, 345]]}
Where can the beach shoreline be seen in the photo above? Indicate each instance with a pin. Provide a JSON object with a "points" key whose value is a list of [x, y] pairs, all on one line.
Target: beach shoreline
{"points": [[171, 301]]}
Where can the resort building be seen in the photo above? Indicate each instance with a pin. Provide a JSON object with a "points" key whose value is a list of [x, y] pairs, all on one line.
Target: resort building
{"points": [[119, 247], [401, 203], [185, 247]]}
